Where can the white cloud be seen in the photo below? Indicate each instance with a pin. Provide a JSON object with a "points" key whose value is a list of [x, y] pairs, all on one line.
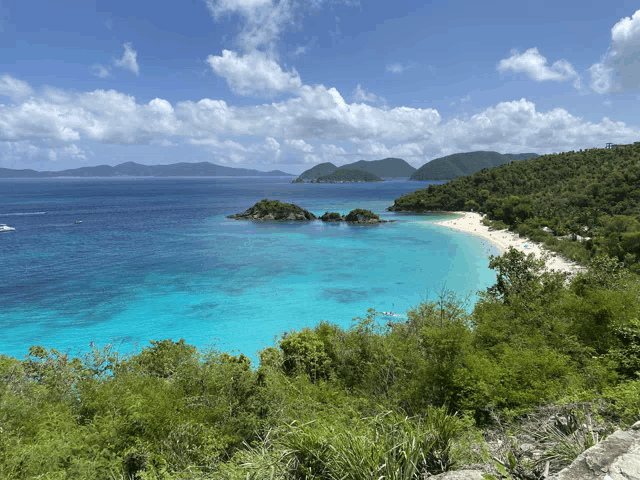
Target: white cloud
{"points": [[99, 70], [619, 69], [314, 116], [14, 88], [399, 67], [301, 50], [601, 78], [72, 151], [129, 59], [299, 144], [466, 99], [360, 95], [535, 66], [264, 20], [253, 73]]}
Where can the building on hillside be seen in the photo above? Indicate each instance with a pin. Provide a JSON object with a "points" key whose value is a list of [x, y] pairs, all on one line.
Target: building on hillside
{"points": [[620, 145]]}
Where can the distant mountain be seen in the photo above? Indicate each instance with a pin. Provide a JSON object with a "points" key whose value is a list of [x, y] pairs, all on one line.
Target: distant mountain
{"points": [[132, 169], [462, 164], [387, 167], [348, 176], [318, 171]]}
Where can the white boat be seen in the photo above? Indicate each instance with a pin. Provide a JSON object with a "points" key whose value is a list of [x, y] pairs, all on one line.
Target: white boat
{"points": [[78, 221], [6, 228]]}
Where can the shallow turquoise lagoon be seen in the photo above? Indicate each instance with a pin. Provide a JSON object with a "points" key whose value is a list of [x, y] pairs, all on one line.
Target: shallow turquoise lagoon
{"points": [[157, 259]]}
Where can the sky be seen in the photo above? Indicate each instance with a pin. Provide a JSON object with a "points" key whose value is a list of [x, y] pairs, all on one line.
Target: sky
{"points": [[288, 84]]}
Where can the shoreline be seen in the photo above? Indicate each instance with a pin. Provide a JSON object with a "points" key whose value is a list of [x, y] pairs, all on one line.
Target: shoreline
{"points": [[470, 222]]}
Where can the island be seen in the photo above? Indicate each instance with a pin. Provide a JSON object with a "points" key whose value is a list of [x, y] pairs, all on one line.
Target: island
{"points": [[385, 168], [348, 176], [332, 217], [132, 169], [359, 216], [275, 210]]}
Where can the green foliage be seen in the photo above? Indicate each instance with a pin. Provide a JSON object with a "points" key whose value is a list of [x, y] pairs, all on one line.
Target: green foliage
{"points": [[277, 209], [360, 213], [459, 164], [375, 400], [387, 167], [595, 194]]}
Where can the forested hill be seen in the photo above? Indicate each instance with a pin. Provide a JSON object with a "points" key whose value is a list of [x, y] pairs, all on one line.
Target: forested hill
{"points": [[318, 171], [593, 193], [348, 176], [387, 167], [460, 164]]}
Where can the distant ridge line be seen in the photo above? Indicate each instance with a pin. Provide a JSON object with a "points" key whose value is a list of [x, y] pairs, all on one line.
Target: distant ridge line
{"points": [[132, 169]]}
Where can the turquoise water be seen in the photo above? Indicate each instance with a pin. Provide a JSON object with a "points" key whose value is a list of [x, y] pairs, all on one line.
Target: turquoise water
{"points": [[157, 258]]}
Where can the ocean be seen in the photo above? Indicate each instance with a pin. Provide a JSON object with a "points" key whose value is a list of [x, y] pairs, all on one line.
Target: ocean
{"points": [[156, 258]]}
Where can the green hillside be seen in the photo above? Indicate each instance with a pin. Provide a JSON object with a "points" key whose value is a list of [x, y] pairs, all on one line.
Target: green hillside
{"points": [[342, 175], [318, 171], [387, 167], [593, 193], [460, 164]]}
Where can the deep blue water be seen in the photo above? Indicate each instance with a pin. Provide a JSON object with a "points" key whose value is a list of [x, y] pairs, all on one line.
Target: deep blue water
{"points": [[156, 258]]}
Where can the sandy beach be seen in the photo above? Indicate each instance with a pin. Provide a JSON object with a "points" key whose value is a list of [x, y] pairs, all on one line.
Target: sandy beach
{"points": [[503, 239]]}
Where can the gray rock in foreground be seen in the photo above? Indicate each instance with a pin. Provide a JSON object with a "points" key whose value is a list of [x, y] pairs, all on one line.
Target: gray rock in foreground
{"points": [[459, 475], [615, 458]]}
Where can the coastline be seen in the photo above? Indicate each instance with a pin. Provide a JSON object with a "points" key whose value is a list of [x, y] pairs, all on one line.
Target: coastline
{"points": [[470, 222]]}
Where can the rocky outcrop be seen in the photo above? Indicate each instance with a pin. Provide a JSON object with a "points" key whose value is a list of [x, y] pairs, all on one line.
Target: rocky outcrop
{"points": [[275, 210], [332, 217], [459, 475], [360, 216], [615, 458]]}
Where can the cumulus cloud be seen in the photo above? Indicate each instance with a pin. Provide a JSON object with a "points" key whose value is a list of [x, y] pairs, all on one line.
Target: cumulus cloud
{"points": [[534, 65], [619, 68], [360, 95], [13, 88], [317, 123], [253, 73], [72, 151], [299, 144], [99, 70], [129, 59]]}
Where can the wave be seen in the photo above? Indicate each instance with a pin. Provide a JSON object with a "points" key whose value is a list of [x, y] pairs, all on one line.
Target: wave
{"points": [[25, 213]]}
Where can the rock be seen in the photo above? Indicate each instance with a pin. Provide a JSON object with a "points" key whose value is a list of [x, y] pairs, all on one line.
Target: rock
{"points": [[275, 210], [360, 216], [615, 458], [459, 475], [332, 217], [298, 180]]}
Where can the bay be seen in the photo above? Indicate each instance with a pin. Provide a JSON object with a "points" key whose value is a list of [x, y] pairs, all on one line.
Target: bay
{"points": [[156, 258]]}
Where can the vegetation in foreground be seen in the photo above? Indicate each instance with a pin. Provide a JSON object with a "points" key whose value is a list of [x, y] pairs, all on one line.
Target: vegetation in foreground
{"points": [[393, 400]]}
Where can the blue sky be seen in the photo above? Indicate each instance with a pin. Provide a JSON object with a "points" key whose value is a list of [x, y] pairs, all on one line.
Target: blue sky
{"points": [[287, 84]]}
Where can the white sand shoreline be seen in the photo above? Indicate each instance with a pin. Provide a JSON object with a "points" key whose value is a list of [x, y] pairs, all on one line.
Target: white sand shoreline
{"points": [[471, 223]]}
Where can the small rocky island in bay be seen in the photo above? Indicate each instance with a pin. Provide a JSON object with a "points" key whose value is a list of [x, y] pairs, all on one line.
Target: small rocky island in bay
{"points": [[359, 216], [275, 210]]}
